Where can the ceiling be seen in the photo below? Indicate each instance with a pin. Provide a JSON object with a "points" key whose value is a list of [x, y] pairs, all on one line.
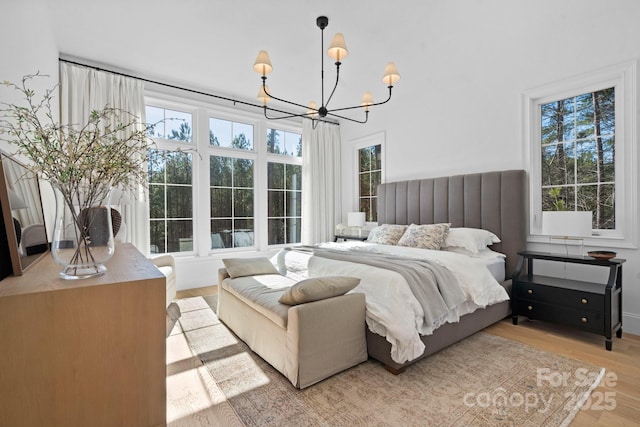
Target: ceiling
{"points": [[211, 45]]}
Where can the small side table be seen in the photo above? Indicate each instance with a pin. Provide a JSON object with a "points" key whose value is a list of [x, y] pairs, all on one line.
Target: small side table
{"points": [[590, 306], [361, 237]]}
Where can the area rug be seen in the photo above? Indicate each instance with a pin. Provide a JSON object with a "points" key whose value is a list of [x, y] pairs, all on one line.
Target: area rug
{"points": [[484, 380]]}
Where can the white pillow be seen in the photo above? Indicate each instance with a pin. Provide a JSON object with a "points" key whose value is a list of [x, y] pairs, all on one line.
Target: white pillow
{"points": [[318, 288], [472, 239]]}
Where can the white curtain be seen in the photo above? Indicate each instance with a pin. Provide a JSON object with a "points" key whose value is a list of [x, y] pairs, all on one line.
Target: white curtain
{"points": [[321, 195], [84, 89]]}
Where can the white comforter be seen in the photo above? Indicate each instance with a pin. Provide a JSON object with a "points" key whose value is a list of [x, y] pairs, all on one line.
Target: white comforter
{"points": [[392, 310]]}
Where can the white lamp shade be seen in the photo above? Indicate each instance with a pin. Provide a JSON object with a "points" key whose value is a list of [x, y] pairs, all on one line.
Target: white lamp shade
{"points": [[367, 100], [566, 223], [356, 219], [391, 74], [338, 48], [262, 65]]}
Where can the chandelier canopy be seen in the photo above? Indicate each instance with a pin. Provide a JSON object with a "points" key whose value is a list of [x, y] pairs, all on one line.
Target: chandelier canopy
{"points": [[337, 51]]}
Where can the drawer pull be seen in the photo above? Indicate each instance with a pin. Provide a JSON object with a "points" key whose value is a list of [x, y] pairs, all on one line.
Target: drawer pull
{"points": [[529, 291], [584, 320], [584, 300], [529, 308]]}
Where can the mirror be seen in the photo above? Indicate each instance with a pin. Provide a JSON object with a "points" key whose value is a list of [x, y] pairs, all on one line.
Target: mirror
{"points": [[23, 234]]}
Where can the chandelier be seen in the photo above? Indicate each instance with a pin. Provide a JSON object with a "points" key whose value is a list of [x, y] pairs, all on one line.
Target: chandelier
{"points": [[337, 51]]}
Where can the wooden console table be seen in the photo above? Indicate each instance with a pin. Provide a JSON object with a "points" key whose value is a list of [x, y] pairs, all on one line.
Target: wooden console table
{"points": [[88, 352]]}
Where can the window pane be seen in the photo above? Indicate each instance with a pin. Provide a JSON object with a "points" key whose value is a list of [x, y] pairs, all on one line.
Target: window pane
{"points": [[285, 143], [294, 177], [180, 236], [599, 199], [179, 168], [243, 203], [242, 136], [293, 230], [558, 164], [225, 133], [156, 201], [365, 184], [155, 117], [169, 124], [221, 171], [558, 199], [276, 231], [156, 165], [157, 235], [294, 203], [243, 233], [221, 202], [179, 202], [376, 157], [275, 175], [221, 233], [293, 142], [273, 141], [276, 203], [243, 173]]}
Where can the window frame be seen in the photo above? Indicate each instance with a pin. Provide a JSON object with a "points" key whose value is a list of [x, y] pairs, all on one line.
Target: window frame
{"points": [[623, 78], [201, 111], [173, 145], [278, 158], [358, 144]]}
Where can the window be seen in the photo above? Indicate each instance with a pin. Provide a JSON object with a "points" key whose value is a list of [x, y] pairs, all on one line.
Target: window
{"points": [[284, 187], [170, 176], [220, 179], [231, 202], [369, 176], [578, 155], [579, 135], [170, 201]]}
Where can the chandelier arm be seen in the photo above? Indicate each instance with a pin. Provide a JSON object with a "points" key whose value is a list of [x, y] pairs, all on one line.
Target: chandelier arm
{"points": [[366, 117], [264, 87], [360, 106], [287, 116]]}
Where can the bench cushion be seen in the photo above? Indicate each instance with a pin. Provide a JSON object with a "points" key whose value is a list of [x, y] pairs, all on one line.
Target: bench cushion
{"points": [[262, 294]]}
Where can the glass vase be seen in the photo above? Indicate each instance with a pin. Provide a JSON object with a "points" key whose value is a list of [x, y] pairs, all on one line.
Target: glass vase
{"points": [[83, 232]]}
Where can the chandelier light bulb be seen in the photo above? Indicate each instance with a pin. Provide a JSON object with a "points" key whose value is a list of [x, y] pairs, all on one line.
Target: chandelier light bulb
{"points": [[391, 74], [338, 48], [262, 65], [313, 109], [367, 100], [262, 95]]}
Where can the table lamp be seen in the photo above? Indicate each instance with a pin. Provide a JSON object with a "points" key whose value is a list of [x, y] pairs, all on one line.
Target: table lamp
{"points": [[356, 220]]}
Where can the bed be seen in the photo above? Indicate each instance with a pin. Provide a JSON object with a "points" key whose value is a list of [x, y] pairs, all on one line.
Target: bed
{"points": [[492, 201]]}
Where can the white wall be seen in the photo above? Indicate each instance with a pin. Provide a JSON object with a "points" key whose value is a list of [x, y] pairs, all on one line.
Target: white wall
{"points": [[462, 114]]}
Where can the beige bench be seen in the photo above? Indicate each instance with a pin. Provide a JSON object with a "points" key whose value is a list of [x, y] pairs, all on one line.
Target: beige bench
{"points": [[306, 342]]}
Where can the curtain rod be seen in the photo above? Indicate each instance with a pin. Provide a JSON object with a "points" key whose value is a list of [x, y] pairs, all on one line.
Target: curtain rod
{"points": [[224, 98]]}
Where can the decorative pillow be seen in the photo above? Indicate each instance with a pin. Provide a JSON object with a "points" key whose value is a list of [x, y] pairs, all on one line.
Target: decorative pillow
{"points": [[241, 267], [472, 239], [318, 288], [428, 236], [386, 234]]}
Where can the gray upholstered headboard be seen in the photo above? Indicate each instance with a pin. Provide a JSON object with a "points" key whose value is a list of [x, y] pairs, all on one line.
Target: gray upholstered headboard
{"points": [[494, 201]]}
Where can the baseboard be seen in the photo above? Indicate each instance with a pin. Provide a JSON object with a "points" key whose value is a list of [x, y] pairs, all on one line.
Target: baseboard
{"points": [[631, 323]]}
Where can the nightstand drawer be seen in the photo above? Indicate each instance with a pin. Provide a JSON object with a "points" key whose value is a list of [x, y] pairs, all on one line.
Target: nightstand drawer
{"points": [[583, 319], [578, 300]]}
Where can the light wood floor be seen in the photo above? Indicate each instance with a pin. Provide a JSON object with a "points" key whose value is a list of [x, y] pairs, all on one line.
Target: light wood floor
{"points": [[193, 399]]}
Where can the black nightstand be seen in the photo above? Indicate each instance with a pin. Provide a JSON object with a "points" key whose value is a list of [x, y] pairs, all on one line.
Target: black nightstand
{"points": [[594, 307], [362, 237]]}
